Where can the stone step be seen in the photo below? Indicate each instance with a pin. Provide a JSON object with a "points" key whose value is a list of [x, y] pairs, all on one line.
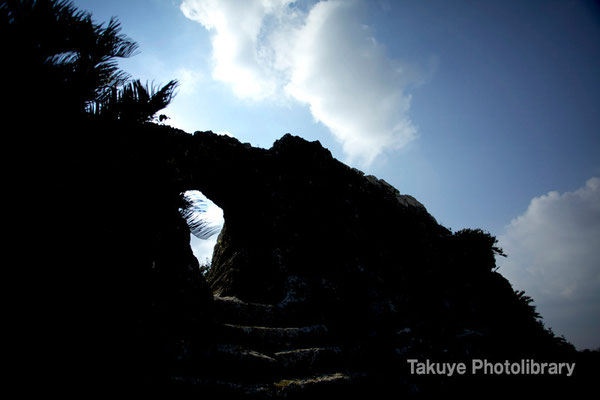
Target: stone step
{"points": [[337, 385], [334, 385], [210, 388], [310, 360], [184, 386], [272, 339], [324, 386], [234, 311], [242, 364]]}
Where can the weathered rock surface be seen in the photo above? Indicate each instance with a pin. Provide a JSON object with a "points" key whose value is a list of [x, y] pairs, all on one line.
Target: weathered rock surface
{"points": [[326, 280]]}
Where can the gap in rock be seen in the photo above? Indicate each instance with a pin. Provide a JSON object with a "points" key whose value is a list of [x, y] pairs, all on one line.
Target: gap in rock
{"points": [[205, 220]]}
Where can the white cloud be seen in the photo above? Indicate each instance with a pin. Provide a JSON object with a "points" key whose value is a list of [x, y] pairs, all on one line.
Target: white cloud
{"points": [[189, 79], [350, 85], [554, 255], [241, 58], [325, 58]]}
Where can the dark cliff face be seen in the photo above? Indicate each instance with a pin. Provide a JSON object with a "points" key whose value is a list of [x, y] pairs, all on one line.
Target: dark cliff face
{"points": [[313, 222], [305, 235], [305, 231], [294, 210]]}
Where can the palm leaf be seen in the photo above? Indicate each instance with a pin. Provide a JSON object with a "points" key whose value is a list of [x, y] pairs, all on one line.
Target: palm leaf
{"points": [[194, 211], [133, 101], [71, 53]]}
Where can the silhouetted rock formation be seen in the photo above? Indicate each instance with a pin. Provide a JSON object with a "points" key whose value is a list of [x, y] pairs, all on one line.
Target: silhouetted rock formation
{"points": [[315, 229], [310, 237], [327, 280]]}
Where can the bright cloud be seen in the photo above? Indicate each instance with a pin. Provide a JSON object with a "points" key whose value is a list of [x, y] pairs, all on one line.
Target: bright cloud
{"points": [[351, 86], [189, 80], [325, 58], [554, 255], [241, 58]]}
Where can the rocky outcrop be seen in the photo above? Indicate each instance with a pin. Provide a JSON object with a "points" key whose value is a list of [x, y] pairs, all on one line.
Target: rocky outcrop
{"points": [[315, 255], [275, 361], [324, 280], [300, 220]]}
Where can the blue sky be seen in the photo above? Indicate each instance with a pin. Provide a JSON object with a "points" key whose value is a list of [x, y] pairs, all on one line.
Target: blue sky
{"points": [[486, 112]]}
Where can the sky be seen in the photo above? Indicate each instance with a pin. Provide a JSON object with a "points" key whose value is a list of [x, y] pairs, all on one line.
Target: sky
{"points": [[486, 111]]}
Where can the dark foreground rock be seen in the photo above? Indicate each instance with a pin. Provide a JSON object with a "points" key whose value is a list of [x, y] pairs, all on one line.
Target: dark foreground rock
{"points": [[326, 281]]}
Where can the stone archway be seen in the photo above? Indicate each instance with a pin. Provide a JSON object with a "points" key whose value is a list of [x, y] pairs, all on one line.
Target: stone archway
{"points": [[300, 220]]}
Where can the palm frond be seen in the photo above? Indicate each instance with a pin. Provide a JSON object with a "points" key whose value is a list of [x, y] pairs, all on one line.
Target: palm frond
{"points": [[133, 101], [162, 97], [114, 43], [72, 53], [194, 211]]}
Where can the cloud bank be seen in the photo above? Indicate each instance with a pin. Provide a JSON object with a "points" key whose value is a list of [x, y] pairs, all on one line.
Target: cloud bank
{"points": [[323, 57], [554, 255]]}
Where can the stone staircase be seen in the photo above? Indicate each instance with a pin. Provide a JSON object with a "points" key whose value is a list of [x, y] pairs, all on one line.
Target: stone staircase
{"points": [[258, 355]]}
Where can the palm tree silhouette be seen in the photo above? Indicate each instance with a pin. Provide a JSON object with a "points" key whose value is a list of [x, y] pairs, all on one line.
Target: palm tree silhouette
{"points": [[56, 54], [133, 102], [60, 63], [92, 64]]}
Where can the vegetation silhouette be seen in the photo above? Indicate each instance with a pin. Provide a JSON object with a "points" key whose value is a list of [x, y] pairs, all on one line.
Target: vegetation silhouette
{"points": [[61, 53], [113, 281], [62, 59], [193, 209], [66, 66], [133, 102]]}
